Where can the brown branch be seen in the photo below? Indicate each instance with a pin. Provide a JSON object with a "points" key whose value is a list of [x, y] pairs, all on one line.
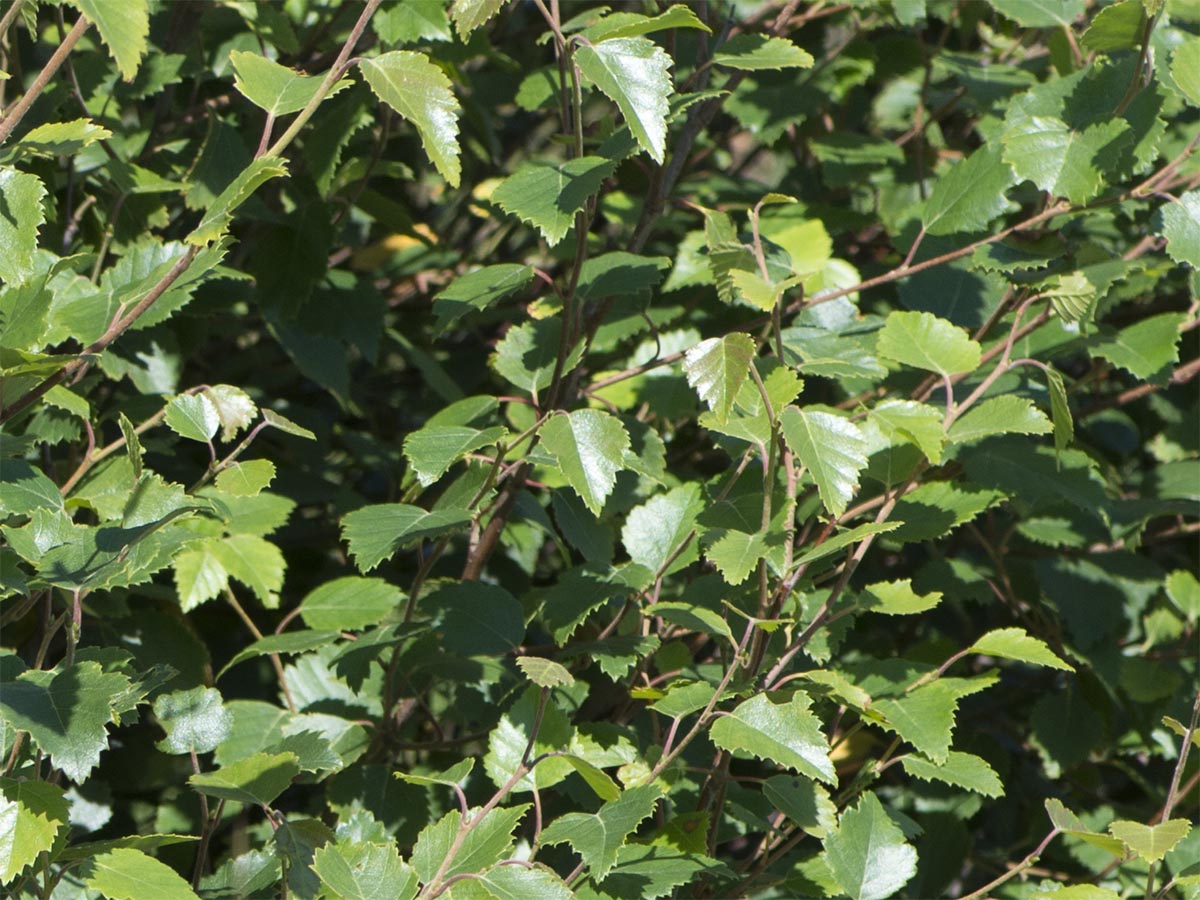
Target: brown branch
{"points": [[1183, 374], [21, 107]]}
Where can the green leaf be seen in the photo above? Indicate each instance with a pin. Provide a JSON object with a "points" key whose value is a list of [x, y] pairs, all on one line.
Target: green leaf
{"points": [[199, 575], [275, 88], [1014, 643], [1069, 823], [286, 425], [1150, 842], [963, 770], [1116, 27], [1147, 349], [736, 554], [470, 14], [925, 717], [31, 814], [287, 642], [603, 786], [970, 194], [488, 841], [655, 530], [510, 738], [619, 274], [527, 355], [21, 196], [868, 854], [246, 479], [255, 562], [1060, 410], [349, 603], [128, 874], [683, 698], [547, 195], [914, 422], [650, 871], [257, 779], [589, 446], [411, 21], [545, 672], [419, 91], [65, 712], [1071, 295], [124, 28], [1181, 228], [62, 138], [1058, 159], [219, 213], [844, 539], [451, 777], [502, 882], [693, 618], [1007, 414], [597, 837], [784, 733], [432, 450], [374, 533], [1183, 588], [752, 52], [897, 598], [478, 290], [832, 448], [717, 368], [1078, 892], [633, 73], [1185, 70], [754, 290], [1037, 475], [924, 341], [358, 870], [619, 25], [25, 488], [1041, 13], [195, 720], [804, 802], [478, 619]]}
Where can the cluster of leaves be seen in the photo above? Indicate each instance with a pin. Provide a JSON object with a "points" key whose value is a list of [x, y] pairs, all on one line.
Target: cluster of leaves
{"points": [[544, 450]]}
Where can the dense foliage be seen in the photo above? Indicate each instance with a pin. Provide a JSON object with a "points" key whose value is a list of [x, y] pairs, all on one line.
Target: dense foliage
{"points": [[544, 450]]}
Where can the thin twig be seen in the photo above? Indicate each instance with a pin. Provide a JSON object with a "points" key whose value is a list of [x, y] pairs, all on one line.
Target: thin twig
{"points": [[14, 116]]}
